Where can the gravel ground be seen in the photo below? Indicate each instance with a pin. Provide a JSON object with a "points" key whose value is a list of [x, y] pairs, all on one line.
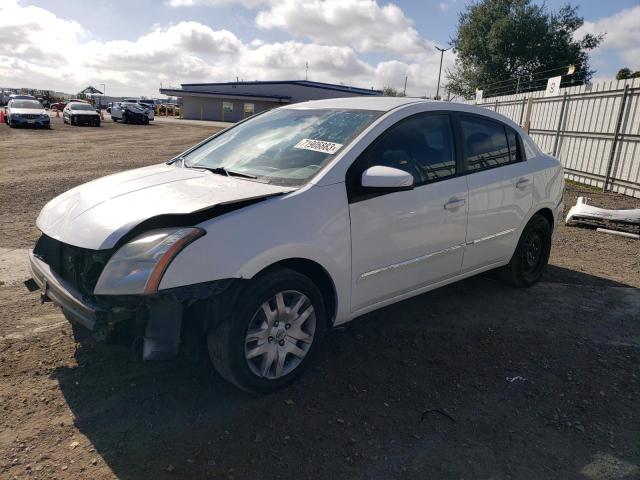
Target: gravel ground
{"points": [[474, 380]]}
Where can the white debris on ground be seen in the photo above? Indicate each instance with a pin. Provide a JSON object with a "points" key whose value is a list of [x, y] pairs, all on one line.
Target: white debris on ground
{"points": [[627, 220]]}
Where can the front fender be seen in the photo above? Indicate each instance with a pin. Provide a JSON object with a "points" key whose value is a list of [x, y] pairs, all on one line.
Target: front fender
{"points": [[311, 223]]}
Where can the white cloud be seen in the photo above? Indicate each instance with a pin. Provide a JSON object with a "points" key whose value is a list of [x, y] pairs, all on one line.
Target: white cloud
{"points": [[40, 50], [622, 35], [212, 3], [361, 24]]}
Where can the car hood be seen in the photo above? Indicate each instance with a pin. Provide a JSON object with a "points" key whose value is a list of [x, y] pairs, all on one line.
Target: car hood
{"points": [[99, 213], [83, 112], [27, 111]]}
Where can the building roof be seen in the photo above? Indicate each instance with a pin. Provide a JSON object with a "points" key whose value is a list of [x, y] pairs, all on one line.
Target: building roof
{"points": [[177, 92], [304, 83]]}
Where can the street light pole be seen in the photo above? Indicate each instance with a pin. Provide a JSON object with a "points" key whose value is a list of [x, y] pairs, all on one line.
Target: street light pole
{"points": [[104, 92], [441, 50]]}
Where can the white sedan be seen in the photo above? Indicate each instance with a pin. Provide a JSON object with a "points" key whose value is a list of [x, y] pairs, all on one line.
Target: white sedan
{"points": [[26, 113], [296, 220], [131, 112], [80, 113]]}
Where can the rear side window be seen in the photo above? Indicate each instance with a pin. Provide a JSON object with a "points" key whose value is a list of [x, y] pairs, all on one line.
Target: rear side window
{"points": [[487, 144], [421, 145]]}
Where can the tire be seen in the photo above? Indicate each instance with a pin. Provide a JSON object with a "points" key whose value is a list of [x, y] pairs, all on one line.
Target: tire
{"points": [[530, 259], [230, 345], [114, 119]]}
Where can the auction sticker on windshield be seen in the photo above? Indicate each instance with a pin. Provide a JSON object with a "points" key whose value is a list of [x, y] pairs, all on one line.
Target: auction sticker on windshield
{"points": [[318, 146]]}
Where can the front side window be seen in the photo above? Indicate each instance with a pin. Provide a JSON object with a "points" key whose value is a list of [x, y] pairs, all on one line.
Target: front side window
{"points": [[421, 145], [284, 146], [486, 144]]}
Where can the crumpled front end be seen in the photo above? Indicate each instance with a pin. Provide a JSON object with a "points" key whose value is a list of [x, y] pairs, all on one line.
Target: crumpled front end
{"points": [[152, 326]]}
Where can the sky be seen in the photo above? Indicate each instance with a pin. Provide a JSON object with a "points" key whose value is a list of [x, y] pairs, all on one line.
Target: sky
{"points": [[133, 47]]}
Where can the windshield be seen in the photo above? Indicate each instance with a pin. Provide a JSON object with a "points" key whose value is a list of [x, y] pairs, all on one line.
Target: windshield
{"points": [[285, 146], [81, 106], [26, 104]]}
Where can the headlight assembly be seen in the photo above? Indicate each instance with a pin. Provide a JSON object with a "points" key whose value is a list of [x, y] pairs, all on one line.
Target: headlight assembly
{"points": [[138, 266]]}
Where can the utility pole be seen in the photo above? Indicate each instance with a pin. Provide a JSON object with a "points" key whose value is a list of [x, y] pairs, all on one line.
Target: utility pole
{"points": [[404, 92], [306, 71], [441, 50]]}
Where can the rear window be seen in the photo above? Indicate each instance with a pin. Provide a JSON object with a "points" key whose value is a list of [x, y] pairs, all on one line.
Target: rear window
{"points": [[486, 144]]}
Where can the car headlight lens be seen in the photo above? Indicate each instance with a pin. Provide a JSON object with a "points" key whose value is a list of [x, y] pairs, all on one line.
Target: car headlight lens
{"points": [[138, 266]]}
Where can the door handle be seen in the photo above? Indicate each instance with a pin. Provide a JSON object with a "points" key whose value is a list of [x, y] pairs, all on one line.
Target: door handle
{"points": [[454, 203], [522, 183]]}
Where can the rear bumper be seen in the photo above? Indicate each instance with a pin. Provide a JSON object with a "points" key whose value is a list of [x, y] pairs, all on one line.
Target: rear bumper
{"points": [[62, 294]]}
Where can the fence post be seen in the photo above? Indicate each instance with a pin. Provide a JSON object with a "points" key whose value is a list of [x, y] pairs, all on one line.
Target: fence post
{"points": [[614, 145], [496, 107], [524, 103], [527, 118], [562, 109]]}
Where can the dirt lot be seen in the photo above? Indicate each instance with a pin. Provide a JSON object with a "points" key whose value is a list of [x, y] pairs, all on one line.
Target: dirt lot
{"points": [[474, 380]]}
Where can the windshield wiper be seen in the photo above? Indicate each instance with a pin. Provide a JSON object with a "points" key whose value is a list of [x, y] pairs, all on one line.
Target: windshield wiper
{"points": [[224, 171]]}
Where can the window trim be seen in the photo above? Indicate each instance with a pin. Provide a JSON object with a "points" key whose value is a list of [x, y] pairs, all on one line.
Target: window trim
{"points": [[458, 116], [355, 169]]}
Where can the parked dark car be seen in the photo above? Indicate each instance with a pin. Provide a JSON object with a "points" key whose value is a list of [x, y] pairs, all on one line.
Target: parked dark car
{"points": [[58, 106]]}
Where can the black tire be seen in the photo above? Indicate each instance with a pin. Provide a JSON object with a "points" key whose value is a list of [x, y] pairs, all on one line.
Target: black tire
{"points": [[114, 119], [226, 340], [530, 259]]}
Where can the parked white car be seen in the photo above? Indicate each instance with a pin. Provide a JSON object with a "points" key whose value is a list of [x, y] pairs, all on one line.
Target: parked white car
{"points": [[130, 112], [26, 113], [80, 113], [296, 220]]}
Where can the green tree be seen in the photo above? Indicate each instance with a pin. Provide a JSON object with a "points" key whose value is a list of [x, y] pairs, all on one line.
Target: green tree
{"points": [[501, 40], [391, 92], [623, 73]]}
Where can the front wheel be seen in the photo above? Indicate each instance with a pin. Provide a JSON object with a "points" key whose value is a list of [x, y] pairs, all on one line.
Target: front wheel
{"points": [[530, 259], [277, 327]]}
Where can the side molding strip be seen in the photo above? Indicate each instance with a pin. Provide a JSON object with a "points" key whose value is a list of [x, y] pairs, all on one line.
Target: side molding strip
{"points": [[423, 258]]}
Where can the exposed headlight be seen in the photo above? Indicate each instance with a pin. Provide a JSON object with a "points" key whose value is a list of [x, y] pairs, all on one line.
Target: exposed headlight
{"points": [[138, 266]]}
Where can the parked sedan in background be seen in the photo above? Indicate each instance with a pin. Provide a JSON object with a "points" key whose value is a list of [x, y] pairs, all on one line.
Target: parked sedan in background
{"points": [[130, 112], [22, 113], [59, 106], [258, 239], [80, 113]]}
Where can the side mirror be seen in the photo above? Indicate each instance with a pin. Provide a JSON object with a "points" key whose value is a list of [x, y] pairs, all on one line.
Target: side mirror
{"points": [[386, 179]]}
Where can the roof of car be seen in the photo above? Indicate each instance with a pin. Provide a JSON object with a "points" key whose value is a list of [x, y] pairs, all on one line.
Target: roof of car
{"points": [[378, 103]]}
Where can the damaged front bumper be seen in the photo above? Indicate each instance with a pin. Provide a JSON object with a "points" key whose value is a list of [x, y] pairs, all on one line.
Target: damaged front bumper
{"points": [[152, 326]]}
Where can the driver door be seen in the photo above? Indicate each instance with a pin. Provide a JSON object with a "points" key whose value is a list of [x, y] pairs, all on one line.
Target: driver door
{"points": [[406, 240]]}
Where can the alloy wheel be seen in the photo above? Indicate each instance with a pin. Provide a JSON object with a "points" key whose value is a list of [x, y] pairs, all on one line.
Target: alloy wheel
{"points": [[280, 335]]}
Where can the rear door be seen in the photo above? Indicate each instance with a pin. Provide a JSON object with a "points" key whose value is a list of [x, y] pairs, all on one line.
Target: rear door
{"points": [[500, 189], [405, 240]]}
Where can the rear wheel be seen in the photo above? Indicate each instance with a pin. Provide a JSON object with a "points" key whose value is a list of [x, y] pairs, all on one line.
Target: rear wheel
{"points": [[530, 259], [277, 327]]}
